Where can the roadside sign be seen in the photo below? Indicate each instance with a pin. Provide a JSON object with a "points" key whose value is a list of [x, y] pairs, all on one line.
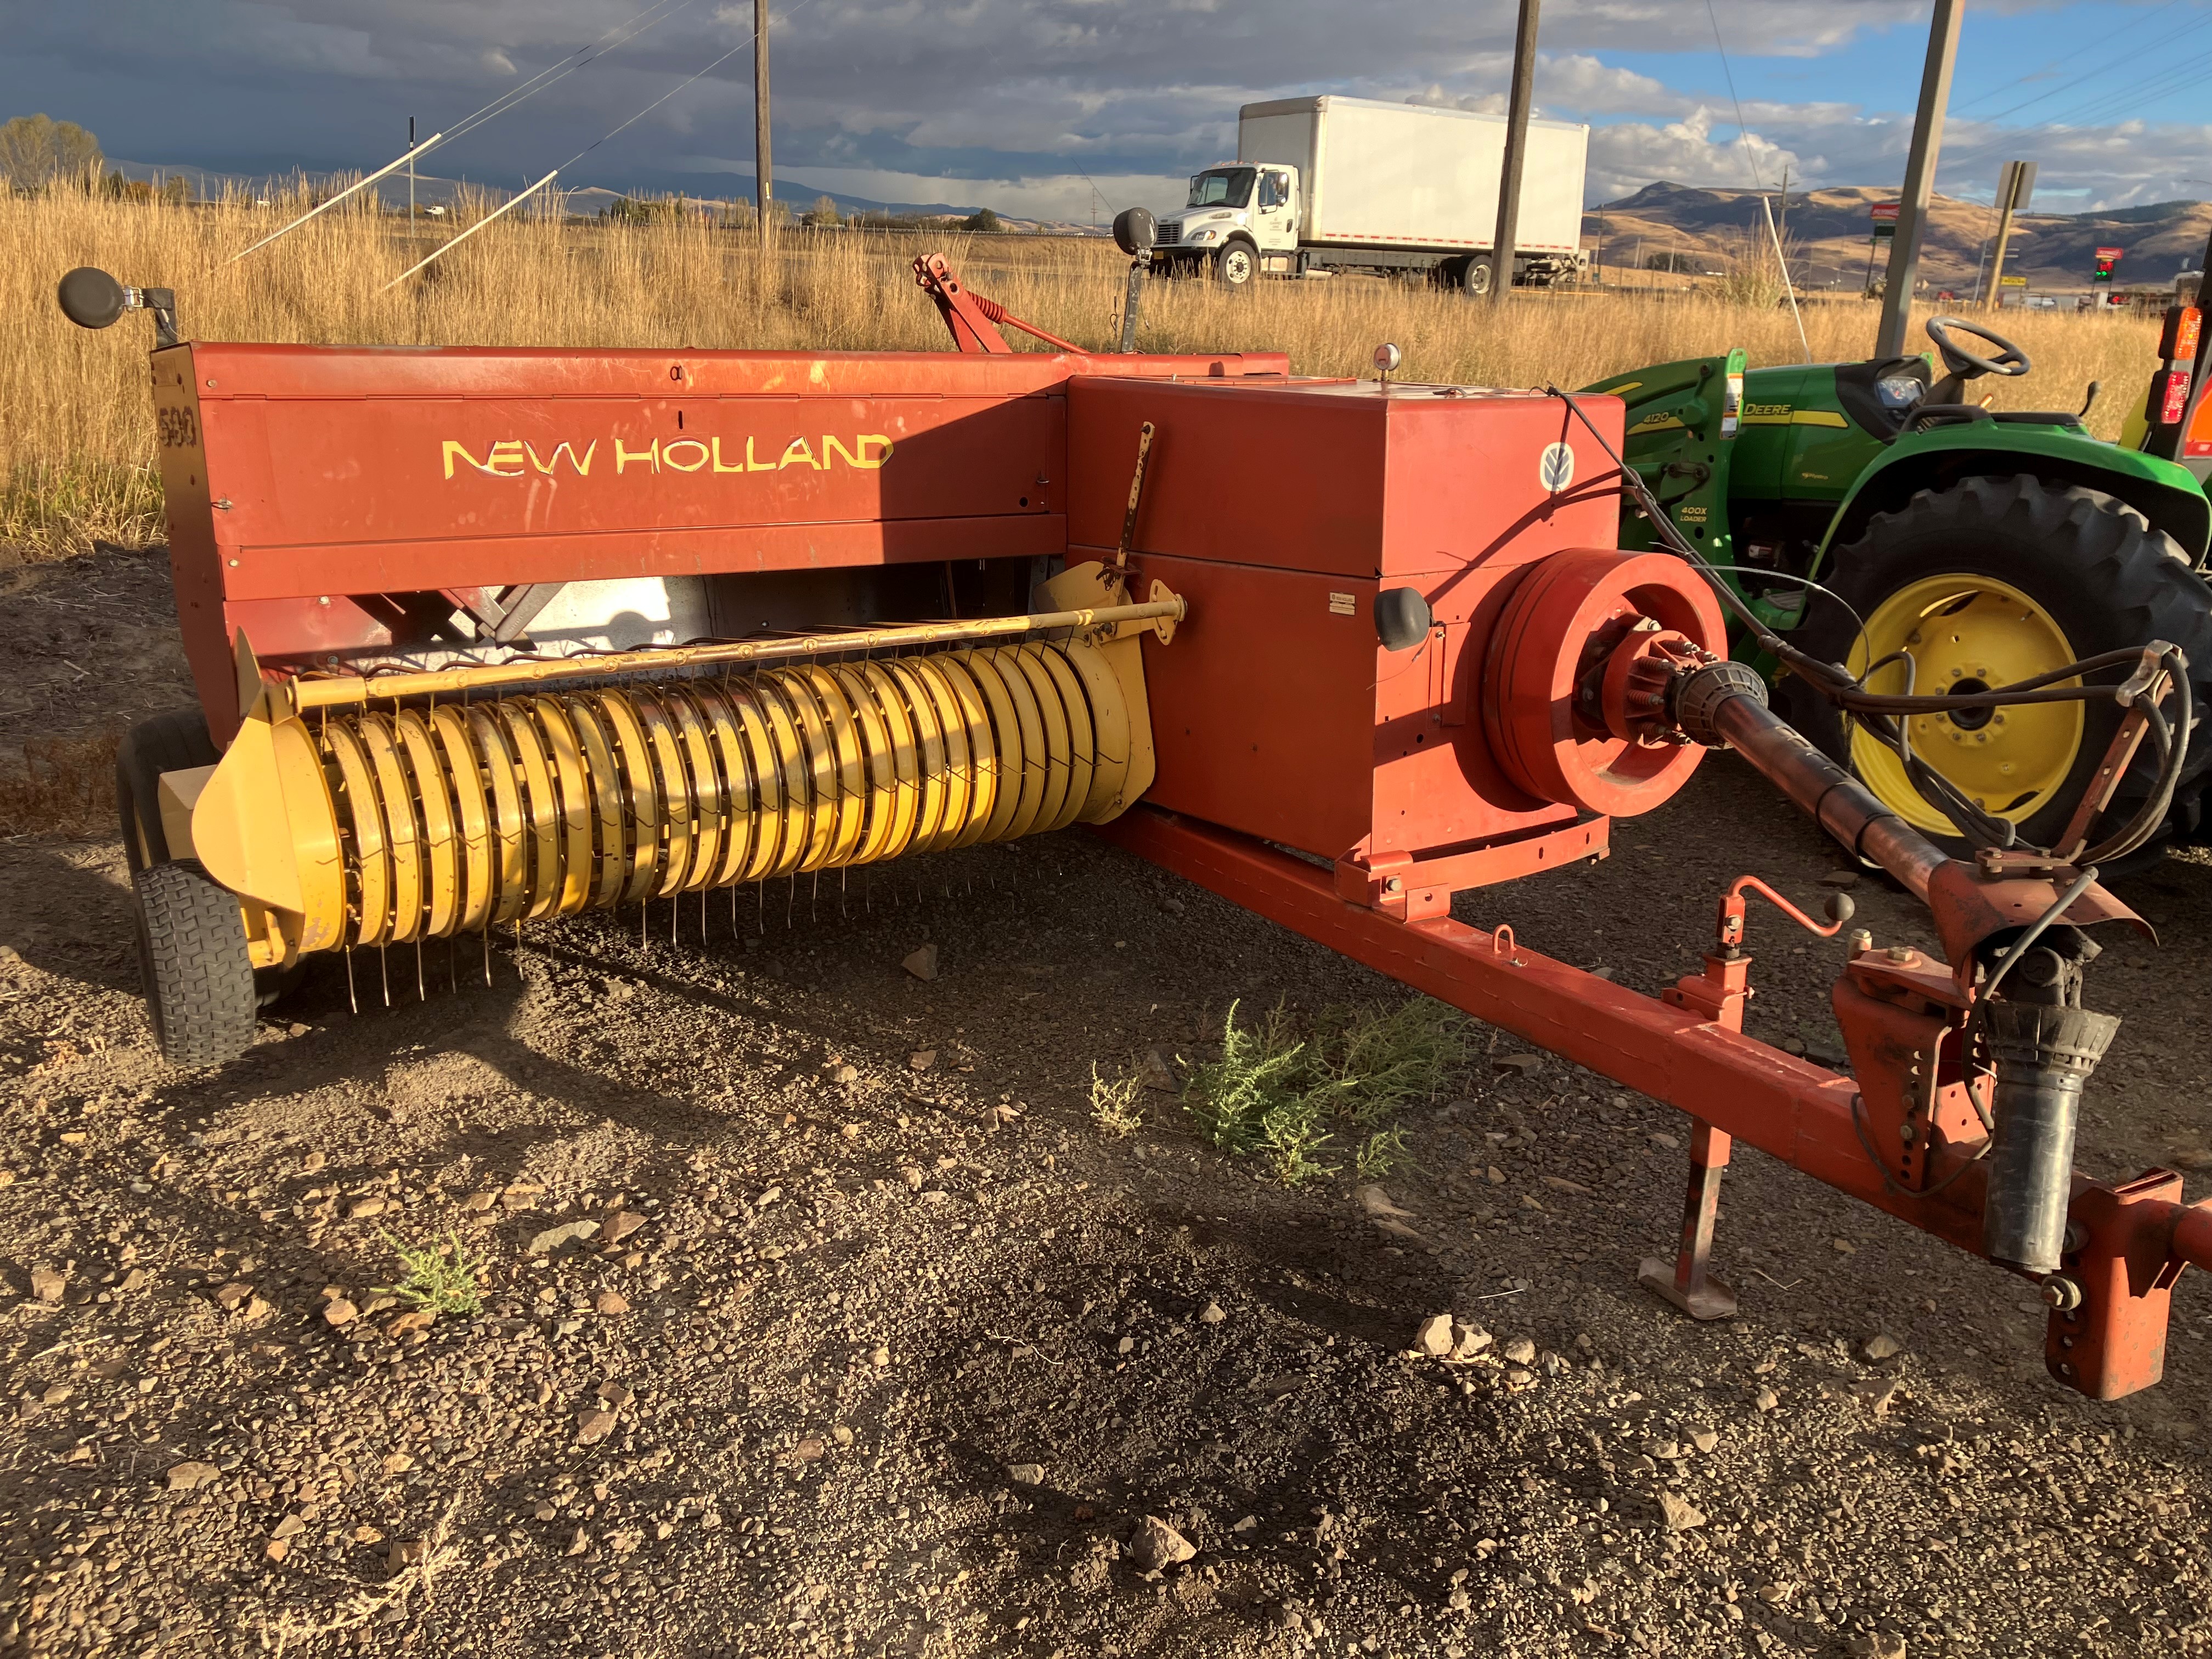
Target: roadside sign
{"points": [[1885, 232], [1885, 212], [2012, 282], [2106, 258]]}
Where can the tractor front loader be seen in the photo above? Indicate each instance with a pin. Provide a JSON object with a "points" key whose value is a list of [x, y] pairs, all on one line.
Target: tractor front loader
{"points": [[487, 638], [1880, 519]]}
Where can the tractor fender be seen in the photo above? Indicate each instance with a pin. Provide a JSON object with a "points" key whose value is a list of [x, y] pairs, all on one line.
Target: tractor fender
{"points": [[2167, 495]]}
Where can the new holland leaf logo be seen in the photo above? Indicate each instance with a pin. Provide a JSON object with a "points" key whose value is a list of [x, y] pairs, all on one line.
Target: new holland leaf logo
{"points": [[1555, 470]]}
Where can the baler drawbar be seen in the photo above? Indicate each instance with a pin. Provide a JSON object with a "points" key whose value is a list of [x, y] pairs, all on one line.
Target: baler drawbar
{"points": [[485, 638]]}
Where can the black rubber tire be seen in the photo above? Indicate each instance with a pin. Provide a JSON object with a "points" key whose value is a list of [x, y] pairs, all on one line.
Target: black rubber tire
{"points": [[198, 977], [1474, 276], [174, 742], [1246, 258], [2090, 560]]}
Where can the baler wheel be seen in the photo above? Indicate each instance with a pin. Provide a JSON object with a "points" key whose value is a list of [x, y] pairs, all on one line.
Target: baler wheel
{"points": [[174, 742], [198, 977]]}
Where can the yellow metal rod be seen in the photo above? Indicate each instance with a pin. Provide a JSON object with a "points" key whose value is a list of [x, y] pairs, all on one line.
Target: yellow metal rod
{"points": [[349, 690]]}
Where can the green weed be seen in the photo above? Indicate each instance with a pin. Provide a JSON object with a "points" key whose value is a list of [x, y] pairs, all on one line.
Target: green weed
{"points": [[440, 1279], [1286, 1089]]}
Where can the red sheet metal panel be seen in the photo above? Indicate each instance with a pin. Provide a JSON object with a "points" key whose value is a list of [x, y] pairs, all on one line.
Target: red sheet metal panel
{"points": [[317, 473], [1287, 507]]}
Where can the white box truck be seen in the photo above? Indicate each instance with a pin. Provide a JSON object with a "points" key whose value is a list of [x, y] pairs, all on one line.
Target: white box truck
{"points": [[1329, 184]]}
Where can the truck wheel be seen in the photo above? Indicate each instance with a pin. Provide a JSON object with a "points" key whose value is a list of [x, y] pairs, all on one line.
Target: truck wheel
{"points": [[1475, 276], [1237, 267], [1991, 581], [192, 950]]}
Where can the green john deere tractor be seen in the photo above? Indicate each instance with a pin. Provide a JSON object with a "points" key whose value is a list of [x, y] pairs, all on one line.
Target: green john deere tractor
{"points": [[1872, 511]]}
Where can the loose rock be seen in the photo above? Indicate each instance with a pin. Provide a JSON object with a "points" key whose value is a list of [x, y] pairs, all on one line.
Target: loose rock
{"points": [[1677, 1513], [1156, 1545], [922, 963], [1434, 1337], [1025, 1475], [1881, 1346], [553, 1238], [594, 1425], [190, 1477]]}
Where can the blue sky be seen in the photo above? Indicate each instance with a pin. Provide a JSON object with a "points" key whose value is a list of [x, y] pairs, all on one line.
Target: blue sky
{"points": [[1031, 106]]}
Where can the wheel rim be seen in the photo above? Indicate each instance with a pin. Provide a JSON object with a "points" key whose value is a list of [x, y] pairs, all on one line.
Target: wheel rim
{"points": [[1478, 278], [1966, 633], [1236, 266]]}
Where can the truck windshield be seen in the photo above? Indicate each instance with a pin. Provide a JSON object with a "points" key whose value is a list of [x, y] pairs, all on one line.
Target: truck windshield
{"points": [[1224, 187]]}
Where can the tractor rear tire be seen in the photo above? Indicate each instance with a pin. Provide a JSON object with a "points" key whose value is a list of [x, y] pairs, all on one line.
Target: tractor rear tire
{"points": [[198, 977], [2096, 577]]}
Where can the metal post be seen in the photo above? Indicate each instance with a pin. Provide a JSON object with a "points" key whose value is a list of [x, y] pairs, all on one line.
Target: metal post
{"points": [[1920, 178], [764, 189], [2013, 185], [411, 175], [1516, 147], [1688, 1281]]}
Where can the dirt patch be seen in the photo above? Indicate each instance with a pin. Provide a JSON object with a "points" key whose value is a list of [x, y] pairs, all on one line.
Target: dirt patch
{"points": [[791, 1344]]}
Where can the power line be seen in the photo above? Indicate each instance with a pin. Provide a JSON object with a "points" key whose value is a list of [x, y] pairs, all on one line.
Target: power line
{"points": [[591, 53], [673, 91], [2060, 62], [1742, 132]]}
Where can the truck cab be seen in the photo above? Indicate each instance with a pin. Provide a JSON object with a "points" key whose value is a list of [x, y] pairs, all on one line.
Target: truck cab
{"points": [[1240, 217]]}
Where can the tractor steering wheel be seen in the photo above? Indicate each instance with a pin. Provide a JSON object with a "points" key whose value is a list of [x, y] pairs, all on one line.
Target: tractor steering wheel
{"points": [[2010, 361]]}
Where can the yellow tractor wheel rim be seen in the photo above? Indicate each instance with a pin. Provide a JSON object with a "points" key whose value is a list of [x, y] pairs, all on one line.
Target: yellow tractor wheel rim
{"points": [[1968, 633]]}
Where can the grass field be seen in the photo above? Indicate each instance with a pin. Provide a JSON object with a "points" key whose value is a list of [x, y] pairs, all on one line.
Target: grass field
{"points": [[75, 426]]}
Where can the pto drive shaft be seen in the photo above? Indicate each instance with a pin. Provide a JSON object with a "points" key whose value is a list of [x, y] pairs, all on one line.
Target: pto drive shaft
{"points": [[2041, 1043]]}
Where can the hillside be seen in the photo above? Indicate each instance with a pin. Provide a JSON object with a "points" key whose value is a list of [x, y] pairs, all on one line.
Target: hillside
{"points": [[1828, 231]]}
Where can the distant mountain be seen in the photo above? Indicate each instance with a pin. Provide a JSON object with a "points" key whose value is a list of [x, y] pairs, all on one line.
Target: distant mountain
{"points": [[1828, 230]]}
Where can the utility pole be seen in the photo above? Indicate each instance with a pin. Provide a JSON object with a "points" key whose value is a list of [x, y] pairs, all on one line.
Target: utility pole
{"points": [[1920, 178], [2015, 185], [411, 175], [764, 190], [1517, 147]]}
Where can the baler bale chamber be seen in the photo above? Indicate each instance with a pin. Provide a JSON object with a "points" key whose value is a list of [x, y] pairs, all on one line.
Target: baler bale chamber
{"points": [[488, 637]]}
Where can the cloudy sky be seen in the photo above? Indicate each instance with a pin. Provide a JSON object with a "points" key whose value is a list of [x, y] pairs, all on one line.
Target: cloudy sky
{"points": [[1047, 106]]}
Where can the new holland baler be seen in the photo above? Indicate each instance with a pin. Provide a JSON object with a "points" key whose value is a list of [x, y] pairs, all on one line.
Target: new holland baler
{"points": [[485, 638]]}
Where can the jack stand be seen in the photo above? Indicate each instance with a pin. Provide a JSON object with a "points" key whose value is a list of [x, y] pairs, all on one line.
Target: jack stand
{"points": [[1685, 1281]]}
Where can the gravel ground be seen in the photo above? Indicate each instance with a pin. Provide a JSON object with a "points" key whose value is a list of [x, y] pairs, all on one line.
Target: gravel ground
{"points": [[820, 1318]]}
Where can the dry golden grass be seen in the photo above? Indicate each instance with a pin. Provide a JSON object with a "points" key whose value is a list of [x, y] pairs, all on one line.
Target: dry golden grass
{"points": [[75, 425]]}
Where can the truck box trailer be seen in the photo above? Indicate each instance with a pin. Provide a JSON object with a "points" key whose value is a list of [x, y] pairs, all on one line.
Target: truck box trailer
{"points": [[1330, 184]]}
